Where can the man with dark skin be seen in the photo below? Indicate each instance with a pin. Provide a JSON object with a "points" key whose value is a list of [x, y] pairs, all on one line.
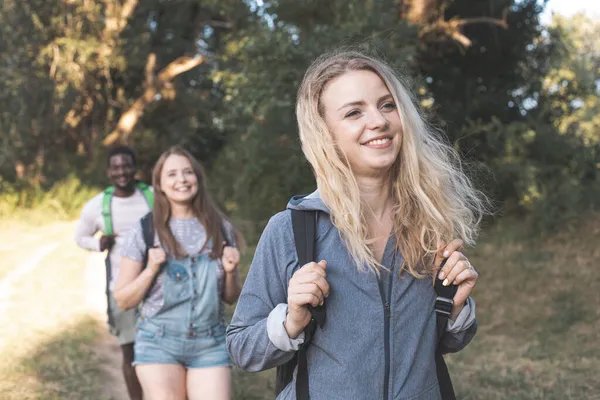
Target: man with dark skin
{"points": [[127, 201]]}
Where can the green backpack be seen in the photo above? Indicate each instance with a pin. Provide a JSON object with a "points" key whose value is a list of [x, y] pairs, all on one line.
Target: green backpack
{"points": [[107, 200]]}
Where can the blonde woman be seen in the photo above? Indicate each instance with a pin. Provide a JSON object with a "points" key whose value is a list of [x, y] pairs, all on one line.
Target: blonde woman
{"points": [[391, 199], [183, 280]]}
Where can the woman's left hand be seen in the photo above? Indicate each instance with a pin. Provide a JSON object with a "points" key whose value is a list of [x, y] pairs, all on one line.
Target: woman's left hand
{"points": [[230, 258], [457, 270]]}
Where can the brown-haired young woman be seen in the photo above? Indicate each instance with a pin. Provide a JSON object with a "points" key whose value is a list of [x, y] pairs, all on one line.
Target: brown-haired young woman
{"points": [[180, 336]]}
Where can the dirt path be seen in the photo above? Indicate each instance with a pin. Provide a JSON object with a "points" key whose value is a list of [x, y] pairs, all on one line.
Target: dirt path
{"points": [[53, 313], [106, 346], [7, 283]]}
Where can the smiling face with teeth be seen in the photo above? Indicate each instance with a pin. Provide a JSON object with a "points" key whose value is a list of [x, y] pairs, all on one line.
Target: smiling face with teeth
{"points": [[178, 180], [362, 116], [121, 173]]}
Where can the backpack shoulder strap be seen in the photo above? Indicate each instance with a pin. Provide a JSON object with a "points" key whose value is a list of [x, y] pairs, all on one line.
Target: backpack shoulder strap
{"points": [[443, 308], [228, 235], [148, 234], [304, 224], [443, 303], [148, 194], [106, 210]]}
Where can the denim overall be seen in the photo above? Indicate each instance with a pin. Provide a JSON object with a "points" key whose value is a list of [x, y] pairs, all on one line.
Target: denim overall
{"points": [[188, 328]]}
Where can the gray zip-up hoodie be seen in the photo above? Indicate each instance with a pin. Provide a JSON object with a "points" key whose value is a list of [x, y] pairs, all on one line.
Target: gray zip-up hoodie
{"points": [[363, 352]]}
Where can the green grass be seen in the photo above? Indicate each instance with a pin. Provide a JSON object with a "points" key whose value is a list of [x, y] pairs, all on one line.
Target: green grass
{"points": [[537, 305], [34, 204], [59, 366], [246, 385], [253, 386]]}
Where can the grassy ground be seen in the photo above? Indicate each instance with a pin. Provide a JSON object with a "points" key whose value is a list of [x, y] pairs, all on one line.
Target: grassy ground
{"points": [[46, 340], [251, 386], [537, 303]]}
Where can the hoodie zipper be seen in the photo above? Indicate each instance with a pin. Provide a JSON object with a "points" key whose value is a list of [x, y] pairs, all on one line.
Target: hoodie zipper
{"points": [[385, 299]]}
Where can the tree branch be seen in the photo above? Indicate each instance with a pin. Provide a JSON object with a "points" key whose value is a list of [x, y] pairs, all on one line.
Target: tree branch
{"points": [[150, 68], [126, 12], [116, 19], [459, 23], [153, 87], [418, 12], [179, 66], [429, 15], [452, 28]]}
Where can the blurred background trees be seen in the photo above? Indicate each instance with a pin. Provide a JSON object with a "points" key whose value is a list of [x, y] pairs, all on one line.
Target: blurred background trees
{"points": [[518, 99]]}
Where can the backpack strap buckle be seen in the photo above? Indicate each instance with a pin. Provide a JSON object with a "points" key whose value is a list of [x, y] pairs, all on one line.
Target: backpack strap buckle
{"points": [[443, 305]]}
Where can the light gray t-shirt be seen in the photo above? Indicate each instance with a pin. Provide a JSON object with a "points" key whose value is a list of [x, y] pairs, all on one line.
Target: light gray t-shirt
{"points": [[191, 235], [188, 232]]}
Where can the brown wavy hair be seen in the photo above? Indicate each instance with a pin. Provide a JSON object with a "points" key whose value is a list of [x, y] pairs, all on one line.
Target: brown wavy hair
{"points": [[203, 206]]}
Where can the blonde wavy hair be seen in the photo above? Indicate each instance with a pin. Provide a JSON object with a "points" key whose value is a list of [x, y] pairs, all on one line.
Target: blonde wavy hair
{"points": [[434, 200]]}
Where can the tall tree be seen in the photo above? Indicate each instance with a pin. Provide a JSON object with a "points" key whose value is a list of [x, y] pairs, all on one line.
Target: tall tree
{"points": [[112, 66]]}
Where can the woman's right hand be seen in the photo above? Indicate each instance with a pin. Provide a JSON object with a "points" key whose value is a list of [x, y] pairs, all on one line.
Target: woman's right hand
{"points": [[156, 258], [307, 286]]}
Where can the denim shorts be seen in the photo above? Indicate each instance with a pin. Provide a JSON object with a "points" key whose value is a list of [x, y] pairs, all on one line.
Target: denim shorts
{"points": [[198, 348]]}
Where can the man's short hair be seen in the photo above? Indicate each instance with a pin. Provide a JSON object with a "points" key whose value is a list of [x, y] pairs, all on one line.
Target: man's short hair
{"points": [[117, 150]]}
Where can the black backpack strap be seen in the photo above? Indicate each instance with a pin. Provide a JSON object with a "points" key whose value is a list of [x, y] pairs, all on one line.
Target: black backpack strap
{"points": [[228, 237], [304, 224], [443, 307], [148, 234]]}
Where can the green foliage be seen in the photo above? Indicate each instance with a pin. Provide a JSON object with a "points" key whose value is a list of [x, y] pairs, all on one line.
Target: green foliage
{"points": [[520, 104], [75, 67], [63, 200], [566, 118], [263, 163], [571, 85]]}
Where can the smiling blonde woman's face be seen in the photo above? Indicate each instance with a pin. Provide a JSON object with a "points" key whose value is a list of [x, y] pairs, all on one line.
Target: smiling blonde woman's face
{"points": [[363, 118]]}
